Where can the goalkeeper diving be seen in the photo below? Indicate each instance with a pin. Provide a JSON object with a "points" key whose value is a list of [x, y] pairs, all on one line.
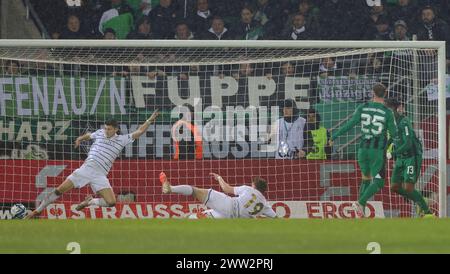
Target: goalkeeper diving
{"points": [[408, 159]]}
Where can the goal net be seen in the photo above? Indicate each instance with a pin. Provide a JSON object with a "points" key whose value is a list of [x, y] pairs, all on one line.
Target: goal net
{"points": [[51, 92]]}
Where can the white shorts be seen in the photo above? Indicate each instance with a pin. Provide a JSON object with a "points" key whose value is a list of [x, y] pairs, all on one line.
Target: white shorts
{"points": [[89, 175], [221, 203]]}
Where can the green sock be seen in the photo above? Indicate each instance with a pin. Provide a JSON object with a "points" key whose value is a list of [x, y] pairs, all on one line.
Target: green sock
{"points": [[373, 188], [364, 185], [417, 197]]}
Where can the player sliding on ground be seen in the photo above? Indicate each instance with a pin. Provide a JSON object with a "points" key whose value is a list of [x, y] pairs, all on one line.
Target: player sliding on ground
{"points": [[375, 120], [408, 159], [106, 148], [249, 203]]}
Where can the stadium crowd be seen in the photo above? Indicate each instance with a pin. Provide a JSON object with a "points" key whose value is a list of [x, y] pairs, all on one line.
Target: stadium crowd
{"points": [[247, 20]]}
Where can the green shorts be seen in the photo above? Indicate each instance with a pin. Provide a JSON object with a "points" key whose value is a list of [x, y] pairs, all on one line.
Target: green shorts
{"points": [[406, 170], [372, 162]]}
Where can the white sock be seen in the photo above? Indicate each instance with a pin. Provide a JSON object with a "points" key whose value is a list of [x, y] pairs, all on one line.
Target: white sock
{"points": [[98, 202], [182, 189], [47, 200]]}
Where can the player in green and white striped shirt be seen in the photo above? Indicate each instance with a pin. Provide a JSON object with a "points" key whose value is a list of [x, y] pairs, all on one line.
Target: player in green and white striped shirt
{"points": [[376, 121]]}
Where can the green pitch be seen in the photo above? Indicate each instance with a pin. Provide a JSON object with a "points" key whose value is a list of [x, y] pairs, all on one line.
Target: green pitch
{"points": [[226, 236]]}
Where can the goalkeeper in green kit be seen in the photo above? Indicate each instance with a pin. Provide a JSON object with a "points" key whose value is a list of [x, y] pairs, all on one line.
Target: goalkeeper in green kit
{"points": [[375, 120], [408, 159]]}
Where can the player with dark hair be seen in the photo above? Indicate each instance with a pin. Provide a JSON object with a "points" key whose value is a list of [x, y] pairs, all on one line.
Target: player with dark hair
{"points": [[408, 159], [106, 148]]}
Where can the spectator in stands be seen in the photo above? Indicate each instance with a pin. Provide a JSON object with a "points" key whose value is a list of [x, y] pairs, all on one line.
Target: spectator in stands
{"points": [[373, 66], [12, 67], [150, 71], [383, 30], [400, 31], [278, 72], [329, 67], [73, 29], [376, 12], [433, 28], [268, 14], [143, 30], [201, 19], [287, 133], [240, 72], [430, 27], [163, 19], [244, 70], [119, 18], [297, 30], [404, 10], [287, 69], [124, 71], [109, 34], [89, 14], [375, 21], [316, 138], [306, 8], [182, 32], [217, 31], [186, 137], [247, 28]]}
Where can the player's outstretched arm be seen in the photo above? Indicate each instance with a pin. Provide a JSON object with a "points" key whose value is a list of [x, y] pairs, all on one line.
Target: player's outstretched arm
{"points": [[82, 138], [356, 118], [143, 128], [224, 185]]}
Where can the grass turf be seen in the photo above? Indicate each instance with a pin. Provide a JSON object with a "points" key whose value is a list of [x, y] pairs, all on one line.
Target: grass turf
{"points": [[226, 236]]}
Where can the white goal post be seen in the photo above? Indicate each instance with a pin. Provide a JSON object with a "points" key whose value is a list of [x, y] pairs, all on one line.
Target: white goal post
{"points": [[206, 67]]}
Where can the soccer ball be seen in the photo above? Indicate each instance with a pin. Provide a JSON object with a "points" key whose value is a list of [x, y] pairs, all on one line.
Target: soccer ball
{"points": [[18, 211]]}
